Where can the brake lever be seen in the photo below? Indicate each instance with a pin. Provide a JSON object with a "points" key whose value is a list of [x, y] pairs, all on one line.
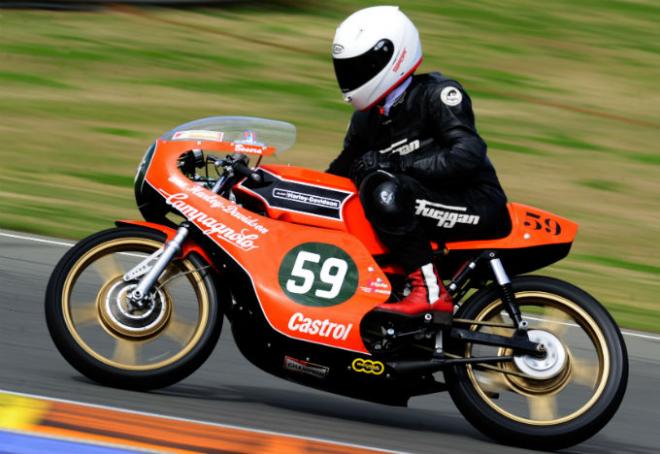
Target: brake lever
{"points": [[235, 164]]}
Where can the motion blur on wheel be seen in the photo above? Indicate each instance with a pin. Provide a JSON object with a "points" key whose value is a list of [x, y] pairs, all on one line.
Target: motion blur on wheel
{"points": [[552, 399], [117, 342], [287, 255]]}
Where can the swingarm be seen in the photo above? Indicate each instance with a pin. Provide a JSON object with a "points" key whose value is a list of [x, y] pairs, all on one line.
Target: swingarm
{"points": [[518, 343]]}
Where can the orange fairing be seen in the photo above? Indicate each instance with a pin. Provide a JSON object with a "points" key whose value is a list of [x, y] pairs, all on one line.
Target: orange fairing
{"points": [[312, 284], [530, 227], [186, 248], [310, 176], [358, 224]]}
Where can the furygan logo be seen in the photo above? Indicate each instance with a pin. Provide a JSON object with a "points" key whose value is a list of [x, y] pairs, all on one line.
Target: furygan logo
{"points": [[446, 215], [402, 147]]}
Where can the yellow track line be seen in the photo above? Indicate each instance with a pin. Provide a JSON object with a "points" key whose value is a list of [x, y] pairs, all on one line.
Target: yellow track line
{"points": [[107, 426], [21, 413]]}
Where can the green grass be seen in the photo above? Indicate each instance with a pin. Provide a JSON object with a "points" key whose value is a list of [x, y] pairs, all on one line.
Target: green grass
{"points": [[565, 93], [11, 78], [122, 181], [603, 185], [503, 146], [651, 158], [118, 132], [620, 264]]}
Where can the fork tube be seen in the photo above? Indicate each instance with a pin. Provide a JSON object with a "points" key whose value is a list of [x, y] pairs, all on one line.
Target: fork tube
{"points": [[171, 248]]}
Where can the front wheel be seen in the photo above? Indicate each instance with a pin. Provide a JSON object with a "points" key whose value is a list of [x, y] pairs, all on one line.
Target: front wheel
{"points": [[100, 332], [542, 403]]}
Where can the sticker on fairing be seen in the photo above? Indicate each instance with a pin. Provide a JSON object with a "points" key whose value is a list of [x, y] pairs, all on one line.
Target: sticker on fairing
{"points": [[199, 134], [367, 366], [298, 197], [318, 275], [305, 367]]}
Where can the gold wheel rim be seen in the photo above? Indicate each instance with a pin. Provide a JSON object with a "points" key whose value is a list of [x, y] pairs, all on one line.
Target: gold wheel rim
{"points": [[126, 345], [593, 331]]}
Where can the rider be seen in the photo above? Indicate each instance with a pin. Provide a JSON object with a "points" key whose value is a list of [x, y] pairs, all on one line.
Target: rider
{"points": [[413, 150]]}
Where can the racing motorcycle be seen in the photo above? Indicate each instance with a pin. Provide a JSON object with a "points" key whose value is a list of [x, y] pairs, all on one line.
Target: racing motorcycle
{"points": [[288, 257]]}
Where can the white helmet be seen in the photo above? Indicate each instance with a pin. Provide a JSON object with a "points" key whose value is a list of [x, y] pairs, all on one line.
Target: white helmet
{"points": [[374, 50]]}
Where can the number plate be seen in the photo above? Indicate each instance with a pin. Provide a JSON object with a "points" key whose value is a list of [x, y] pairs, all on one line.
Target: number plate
{"points": [[318, 274]]}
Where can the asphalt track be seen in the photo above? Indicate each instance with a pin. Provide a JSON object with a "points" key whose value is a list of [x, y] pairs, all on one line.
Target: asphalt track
{"points": [[229, 390]]}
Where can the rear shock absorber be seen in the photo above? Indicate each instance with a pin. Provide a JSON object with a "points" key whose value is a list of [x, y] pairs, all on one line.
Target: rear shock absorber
{"points": [[508, 296]]}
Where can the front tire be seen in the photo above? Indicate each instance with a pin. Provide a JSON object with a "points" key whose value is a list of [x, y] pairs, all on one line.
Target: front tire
{"points": [[106, 339], [565, 405]]}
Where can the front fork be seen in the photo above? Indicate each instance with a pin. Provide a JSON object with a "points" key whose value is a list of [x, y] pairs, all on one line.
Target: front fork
{"points": [[153, 266]]}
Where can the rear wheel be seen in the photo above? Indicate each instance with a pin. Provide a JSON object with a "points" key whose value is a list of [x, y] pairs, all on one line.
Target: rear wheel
{"points": [[542, 403], [102, 335]]}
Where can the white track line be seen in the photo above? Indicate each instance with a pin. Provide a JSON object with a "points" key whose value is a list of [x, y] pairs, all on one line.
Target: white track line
{"points": [[62, 243], [640, 335], [575, 325], [195, 421], [36, 240]]}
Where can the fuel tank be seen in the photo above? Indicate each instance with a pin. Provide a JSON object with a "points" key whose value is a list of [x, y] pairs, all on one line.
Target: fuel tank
{"points": [[304, 196]]}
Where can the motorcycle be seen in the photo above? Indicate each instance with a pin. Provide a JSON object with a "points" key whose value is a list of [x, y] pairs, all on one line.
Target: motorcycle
{"points": [[287, 255]]}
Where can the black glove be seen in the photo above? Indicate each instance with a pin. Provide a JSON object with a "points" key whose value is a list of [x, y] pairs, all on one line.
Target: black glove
{"points": [[372, 161]]}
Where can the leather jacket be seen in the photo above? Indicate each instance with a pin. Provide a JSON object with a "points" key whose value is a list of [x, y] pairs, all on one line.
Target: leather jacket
{"points": [[431, 127]]}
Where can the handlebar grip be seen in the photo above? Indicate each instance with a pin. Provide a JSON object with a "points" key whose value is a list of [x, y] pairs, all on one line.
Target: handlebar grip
{"points": [[241, 169]]}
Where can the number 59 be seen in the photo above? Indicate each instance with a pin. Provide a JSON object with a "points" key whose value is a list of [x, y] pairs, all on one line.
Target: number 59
{"points": [[333, 271]]}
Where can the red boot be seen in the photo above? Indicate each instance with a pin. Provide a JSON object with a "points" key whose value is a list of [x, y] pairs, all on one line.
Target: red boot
{"points": [[427, 295]]}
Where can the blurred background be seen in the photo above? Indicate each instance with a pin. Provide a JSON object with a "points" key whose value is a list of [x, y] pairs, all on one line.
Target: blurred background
{"points": [[565, 93]]}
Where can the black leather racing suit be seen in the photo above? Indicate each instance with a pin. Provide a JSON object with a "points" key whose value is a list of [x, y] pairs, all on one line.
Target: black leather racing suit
{"points": [[445, 187]]}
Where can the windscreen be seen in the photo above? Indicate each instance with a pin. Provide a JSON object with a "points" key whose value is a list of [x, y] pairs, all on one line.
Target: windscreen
{"points": [[246, 130]]}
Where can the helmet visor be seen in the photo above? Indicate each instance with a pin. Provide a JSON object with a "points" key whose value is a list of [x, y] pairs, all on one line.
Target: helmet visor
{"points": [[356, 71]]}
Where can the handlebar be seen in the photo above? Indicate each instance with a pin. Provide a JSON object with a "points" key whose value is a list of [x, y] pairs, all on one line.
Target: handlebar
{"points": [[237, 165], [243, 170]]}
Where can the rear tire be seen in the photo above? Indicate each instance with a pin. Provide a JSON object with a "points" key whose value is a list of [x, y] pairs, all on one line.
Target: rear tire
{"points": [[126, 367], [483, 410]]}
